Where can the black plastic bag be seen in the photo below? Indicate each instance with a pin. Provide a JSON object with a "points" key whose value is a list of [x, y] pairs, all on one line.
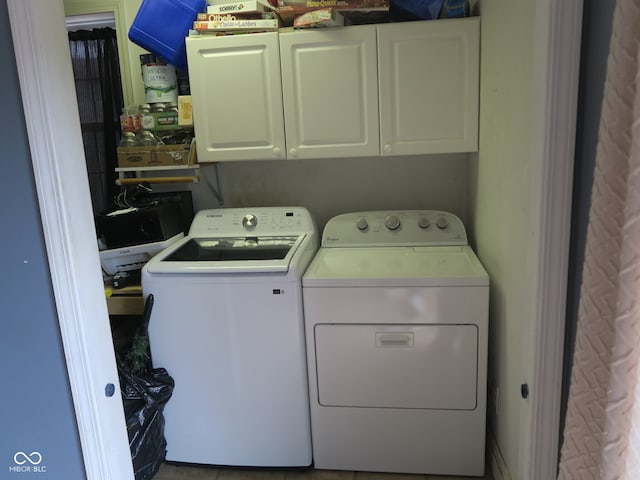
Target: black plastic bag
{"points": [[145, 392], [144, 398]]}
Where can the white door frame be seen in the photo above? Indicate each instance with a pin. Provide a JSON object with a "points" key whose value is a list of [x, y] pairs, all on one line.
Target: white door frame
{"points": [[556, 69], [53, 127]]}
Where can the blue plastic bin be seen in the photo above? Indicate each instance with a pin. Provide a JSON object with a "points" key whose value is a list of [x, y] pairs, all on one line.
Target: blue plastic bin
{"points": [[161, 26]]}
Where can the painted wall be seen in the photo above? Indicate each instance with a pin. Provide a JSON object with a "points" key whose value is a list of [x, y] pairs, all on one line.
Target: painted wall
{"points": [[37, 413], [330, 187], [499, 206]]}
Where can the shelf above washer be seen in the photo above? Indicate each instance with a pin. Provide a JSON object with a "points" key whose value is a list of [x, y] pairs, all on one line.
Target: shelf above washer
{"points": [[123, 180], [194, 178]]}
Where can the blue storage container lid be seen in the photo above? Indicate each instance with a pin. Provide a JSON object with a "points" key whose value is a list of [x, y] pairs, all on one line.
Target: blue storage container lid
{"points": [[160, 26]]}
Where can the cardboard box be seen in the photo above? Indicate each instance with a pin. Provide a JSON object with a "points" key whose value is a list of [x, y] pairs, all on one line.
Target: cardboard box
{"points": [[247, 6], [326, 17], [368, 5], [256, 24], [185, 111], [157, 121], [161, 156]]}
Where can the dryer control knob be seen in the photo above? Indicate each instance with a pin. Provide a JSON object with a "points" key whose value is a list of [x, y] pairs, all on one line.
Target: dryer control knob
{"points": [[249, 221], [392, 222], [424, 223], [362, 224], [442, 223]]}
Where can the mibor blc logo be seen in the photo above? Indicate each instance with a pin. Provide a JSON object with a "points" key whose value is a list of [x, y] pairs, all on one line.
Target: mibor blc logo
{"points": [[27, 463]]}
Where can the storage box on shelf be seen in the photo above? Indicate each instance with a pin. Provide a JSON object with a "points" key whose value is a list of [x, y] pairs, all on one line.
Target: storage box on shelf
{"points": [[152, 135], [138, 162], [156, 156], [342, 11], [323, 18]]}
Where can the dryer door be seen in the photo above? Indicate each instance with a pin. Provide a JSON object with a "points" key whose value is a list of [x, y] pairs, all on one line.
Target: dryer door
{"points": [[423, 366]]}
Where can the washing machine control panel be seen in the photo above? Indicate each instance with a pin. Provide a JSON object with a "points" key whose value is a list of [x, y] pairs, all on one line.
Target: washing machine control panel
{"points": [[253, 221], [396, 228]]}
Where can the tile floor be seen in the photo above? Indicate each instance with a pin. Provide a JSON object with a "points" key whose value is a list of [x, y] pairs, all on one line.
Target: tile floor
{"points": [[169, 471]]}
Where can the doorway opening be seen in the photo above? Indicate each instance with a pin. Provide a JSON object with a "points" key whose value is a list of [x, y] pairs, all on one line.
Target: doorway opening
{"points": [[96, 70]]}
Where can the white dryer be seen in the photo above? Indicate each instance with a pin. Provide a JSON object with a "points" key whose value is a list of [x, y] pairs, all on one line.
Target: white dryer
{"points": [[396, 317], [227, 325]]}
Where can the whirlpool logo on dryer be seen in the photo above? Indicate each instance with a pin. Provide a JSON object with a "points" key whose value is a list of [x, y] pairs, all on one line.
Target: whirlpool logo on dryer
{"points": [[27, 462]]}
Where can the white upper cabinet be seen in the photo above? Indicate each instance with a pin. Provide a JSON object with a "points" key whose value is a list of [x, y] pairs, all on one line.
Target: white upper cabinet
{"points": [[429, 84], [237, 97], [330, 92], [389, 89]]}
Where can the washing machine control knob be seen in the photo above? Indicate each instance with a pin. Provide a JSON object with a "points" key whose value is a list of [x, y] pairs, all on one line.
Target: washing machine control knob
{"points": [[249, 221], [442, 223], [392, 222], [362, 224], [424, 223]]}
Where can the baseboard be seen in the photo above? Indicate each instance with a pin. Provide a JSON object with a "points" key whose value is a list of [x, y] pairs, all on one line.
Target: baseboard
{"points": [[497, 465]]}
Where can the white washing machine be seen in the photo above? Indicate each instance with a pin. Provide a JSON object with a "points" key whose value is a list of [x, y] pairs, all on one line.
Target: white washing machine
{"points": [[396, 317], [227, 324]]}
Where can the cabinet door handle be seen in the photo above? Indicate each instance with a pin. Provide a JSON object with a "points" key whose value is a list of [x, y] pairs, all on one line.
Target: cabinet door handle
{"points": [[293, 152], [388, 148]]}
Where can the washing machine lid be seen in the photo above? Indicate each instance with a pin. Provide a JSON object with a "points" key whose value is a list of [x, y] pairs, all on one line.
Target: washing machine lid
{"points": [[395, 266], [257, 254]]}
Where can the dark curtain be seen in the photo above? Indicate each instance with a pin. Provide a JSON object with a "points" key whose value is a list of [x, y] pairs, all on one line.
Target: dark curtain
{"points": [[94, 56]]}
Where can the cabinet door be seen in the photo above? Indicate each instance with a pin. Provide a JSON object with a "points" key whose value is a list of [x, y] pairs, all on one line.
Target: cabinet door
{"points": [[236, 96], [330, 91], [429, 82]]}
